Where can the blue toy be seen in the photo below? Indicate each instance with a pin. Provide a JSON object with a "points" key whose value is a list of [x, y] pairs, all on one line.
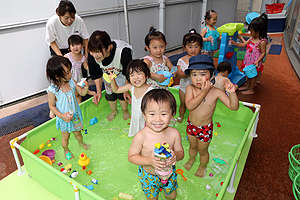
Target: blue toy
{"points": [[94, 181], [90, 187], [229, 52], [85, 131], [93, 121]]}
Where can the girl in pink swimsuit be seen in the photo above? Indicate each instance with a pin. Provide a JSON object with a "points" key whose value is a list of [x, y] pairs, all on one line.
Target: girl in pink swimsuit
{"points": [[256, 50]]}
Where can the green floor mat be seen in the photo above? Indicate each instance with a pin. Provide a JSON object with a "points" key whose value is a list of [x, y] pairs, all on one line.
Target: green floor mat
{"points": [[239, 54]]}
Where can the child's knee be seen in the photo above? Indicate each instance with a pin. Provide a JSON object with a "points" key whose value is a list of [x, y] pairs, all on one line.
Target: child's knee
{"points": [[172, 195]]}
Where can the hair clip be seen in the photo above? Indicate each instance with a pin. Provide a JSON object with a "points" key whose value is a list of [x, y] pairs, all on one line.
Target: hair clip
{"points": [[203, 22], [192, 31], [154, 29]]}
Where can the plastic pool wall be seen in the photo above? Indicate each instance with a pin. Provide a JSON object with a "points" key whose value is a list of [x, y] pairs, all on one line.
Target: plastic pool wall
{"points": [[58, 183]]}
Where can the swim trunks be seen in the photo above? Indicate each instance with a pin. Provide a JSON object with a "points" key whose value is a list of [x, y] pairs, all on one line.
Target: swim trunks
{"points": [[203, 133], [151, 184]]}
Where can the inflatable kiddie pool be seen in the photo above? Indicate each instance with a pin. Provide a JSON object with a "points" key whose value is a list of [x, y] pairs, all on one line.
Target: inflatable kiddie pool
{"points": [[108, 156]]}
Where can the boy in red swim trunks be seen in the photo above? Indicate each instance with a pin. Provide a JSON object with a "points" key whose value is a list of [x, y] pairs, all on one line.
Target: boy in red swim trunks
{"points": [[201, 99]]}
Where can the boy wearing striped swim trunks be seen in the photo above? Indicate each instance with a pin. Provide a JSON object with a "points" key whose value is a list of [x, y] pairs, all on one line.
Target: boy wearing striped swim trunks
{"points": [[201, 99]]}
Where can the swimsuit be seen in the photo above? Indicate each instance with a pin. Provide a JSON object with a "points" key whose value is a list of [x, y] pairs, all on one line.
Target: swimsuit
{"points": [[203, 133], [208, 46], [252, 55], [184, 82], [151, 184]]}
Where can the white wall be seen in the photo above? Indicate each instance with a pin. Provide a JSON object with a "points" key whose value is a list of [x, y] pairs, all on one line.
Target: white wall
{"points": [[24, 53]]}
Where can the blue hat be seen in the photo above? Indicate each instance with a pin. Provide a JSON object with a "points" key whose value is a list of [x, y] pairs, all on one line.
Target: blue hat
{"points": [[200, 61]]}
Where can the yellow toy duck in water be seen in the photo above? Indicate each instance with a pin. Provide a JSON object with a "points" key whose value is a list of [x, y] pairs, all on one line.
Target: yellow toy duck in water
{"points": [[83, 161]]}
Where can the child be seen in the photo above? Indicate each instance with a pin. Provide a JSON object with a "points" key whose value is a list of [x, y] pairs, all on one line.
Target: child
{"points": [[224, 69], [201, 99], [158, 107], [60, 26], [256, 50], [155, 42], [109, 56], [136, 74], [209, 33], [62, 101], [192, 43], [77, 59]]}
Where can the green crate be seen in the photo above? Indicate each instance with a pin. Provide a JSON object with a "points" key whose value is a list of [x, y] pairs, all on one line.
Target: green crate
{"points": [[296, 187], [294, 158]]}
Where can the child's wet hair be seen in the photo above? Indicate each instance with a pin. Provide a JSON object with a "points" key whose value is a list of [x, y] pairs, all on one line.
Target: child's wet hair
{"points": [[192, 36], [136, 66], [207, 15], [224, 66], [98, 41], [260, 24], [159, 96], [64, 7], [154, 34], [55, 70], [75, 39]]}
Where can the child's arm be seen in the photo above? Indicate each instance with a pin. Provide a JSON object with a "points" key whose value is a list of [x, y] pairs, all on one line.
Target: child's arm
{"points": [[177, 150], [191, 101], [52, 107], [180, 73], [203, 32], [82, 91], [159, 77], [242, 44], [263, 46], [232, 102], [115, 88], [135, 157]]}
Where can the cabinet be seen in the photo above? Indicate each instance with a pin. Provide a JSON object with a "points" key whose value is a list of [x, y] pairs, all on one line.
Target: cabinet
{"points": [[296, 39]]}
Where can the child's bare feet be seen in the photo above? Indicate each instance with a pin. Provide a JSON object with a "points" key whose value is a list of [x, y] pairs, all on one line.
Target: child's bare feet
{"points": [[67, 153], [112, 115], [86, 146], [189, 164], [247, 92], [126, 114], [244, 88], [201, 171]]}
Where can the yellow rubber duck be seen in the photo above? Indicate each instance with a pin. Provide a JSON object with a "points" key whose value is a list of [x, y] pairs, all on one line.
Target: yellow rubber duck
{"points": [[83, 160]]}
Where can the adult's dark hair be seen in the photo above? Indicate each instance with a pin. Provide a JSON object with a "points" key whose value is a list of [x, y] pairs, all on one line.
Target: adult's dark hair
{"points": [[98, 41], [159, 96], [64, 7]]}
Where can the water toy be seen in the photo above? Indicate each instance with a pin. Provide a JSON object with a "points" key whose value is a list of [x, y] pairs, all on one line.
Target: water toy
{"points": [[250, 71], [48, 141], [217, 169], [166, 74], [89, 172], [63, 170], [163, 152], [46, 159], [68, 156], [180, 171], [90, 187], [53, 139], [74, 174], [42, 146], [85, 131], [208, 187], [93, 121], [68, 167], [83, 168], [216, 133], [36, 151], [221, 161], [106, 78], [115, 198], [49, 145], [83, 160], [211, 174], [95, 181], [59, 164], [49, 153], [228, 53], [81, 82], [218, 124], [221, 183], [125, 196]]}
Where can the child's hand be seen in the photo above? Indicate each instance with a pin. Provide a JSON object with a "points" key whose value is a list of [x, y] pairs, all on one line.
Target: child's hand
{"points": [[67, 117], [172, 160], [112, 76], [206, 86], [233, 42], [156, 162], [210, 38], [161, 78], [256, 64], [229, 87]]}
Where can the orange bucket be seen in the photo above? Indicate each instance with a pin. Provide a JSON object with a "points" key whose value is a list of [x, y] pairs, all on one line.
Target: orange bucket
{"points": [[46, 159]]}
